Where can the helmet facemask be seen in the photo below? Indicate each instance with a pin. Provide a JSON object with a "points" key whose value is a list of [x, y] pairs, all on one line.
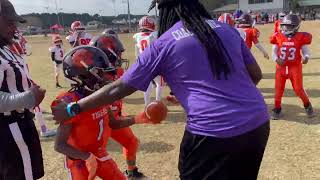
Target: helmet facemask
{"points": [[289, 29]]}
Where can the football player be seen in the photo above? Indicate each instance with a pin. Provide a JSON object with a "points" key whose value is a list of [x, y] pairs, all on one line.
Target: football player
{"points": [[287, 48], [113, 48], [21, 47], [251, 33], [278, 21], [84, 138], [143, 39], [78, 36], [228, 19], [57, 53]]}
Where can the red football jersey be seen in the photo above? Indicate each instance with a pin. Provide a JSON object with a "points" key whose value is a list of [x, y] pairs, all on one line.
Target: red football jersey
{"points": [[277, 26], [252, 36], [90, 130], [289, 49]]}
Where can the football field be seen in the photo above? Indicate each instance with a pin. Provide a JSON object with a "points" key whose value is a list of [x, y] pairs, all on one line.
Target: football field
{"points": [[293, 150]]}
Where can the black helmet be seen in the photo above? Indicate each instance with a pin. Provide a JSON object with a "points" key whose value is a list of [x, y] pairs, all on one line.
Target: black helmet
{"points": [[87, 67], [290, 24], [111, 46], [110, 32], [245, 20]]}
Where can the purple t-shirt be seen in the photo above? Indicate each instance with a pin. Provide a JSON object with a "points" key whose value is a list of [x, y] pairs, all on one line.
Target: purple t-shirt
{"points": [[218, 108]]}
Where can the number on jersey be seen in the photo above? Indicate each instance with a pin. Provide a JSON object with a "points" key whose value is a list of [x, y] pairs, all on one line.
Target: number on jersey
{"points": [[292, 53]]}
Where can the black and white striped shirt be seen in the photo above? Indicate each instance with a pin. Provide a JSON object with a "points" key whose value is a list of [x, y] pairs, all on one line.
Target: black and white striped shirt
{"points": [[14, 75]]}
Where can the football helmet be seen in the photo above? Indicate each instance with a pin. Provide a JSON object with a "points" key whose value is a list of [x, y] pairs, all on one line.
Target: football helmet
{"points": [[282, 15], [56, 39], [110, 32], [245, 20], [227, 18], [87, 67], [147, 23], [112, 47], [77, 26], [290, 24]]}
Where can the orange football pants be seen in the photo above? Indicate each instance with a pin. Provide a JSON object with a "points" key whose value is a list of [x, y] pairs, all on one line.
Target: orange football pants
{"points": [[128, 141], [294, 73], [107, 170], [125, 136]]}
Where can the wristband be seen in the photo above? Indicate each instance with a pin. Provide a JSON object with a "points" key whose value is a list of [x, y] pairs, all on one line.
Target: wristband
{"points": [[73, 109], [70, 113]]}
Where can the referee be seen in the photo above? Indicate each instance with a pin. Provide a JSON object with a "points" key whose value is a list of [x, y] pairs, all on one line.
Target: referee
{"points": [[20, 152]]}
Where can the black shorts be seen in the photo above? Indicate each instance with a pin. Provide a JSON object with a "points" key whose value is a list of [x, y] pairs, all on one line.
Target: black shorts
{"points": [[20, 152], [236, 158]]}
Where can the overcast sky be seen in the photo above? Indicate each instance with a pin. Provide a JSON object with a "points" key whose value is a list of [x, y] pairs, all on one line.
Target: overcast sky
{"points": [[105, 7]]}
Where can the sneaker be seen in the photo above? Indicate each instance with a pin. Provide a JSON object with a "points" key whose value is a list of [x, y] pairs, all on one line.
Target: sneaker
{"points": [[309, 111], [135, 175], [276, 113], [58, 85], [48, 133]]}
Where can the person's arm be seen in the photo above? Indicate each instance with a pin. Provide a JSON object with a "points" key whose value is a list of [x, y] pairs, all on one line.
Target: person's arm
{"points": [[53, 55], [61, 145], [121, 123], [305, 54], [274, 53], [263, 50], [13, 101], [106, 95]]}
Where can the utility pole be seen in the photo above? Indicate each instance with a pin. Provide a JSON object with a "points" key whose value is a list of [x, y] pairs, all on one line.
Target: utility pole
{"points": [[62, 20], [55, 1], [129, 16], [47, 8]]}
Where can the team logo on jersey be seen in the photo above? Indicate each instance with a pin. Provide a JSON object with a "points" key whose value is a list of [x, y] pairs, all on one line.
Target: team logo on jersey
{"points": [[100, 114], [288, 43]]}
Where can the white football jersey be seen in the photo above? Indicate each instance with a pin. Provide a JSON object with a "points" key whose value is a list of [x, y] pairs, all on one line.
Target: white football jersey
{"points": [[84, 38], [143, 40], [58, 52]]}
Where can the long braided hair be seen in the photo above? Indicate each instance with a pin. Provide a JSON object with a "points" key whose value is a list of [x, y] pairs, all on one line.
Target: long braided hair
{"points": [[193, 16]]}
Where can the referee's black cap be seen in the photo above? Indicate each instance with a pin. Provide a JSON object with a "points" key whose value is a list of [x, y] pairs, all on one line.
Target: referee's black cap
{"points": [[8, 12]]}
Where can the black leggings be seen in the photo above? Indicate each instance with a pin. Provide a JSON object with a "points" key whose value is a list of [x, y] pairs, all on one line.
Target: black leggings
{"points": [[236, 158]]}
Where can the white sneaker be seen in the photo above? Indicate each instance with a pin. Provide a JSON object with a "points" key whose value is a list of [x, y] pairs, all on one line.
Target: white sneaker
{"points": [[48, 133]]}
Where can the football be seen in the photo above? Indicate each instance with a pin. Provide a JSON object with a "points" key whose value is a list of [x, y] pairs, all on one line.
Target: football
{"points": [[156, 111]]}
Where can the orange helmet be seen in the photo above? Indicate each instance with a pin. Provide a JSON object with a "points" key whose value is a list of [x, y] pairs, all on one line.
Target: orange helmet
{"points": [[227, 18], [147, 23], [77, 26], [56, 39]]}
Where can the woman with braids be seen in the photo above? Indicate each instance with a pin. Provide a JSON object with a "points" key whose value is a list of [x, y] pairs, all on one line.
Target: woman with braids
{"points": [[213, 74]]}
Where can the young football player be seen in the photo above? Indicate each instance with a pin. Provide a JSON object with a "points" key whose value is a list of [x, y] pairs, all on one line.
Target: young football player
{"points": [[84, 138], [57, 53], [252, 34], [78, 36], [278, 21], [287, 48], [228, 19], [20, 47], [113, 48], [143, 39]]}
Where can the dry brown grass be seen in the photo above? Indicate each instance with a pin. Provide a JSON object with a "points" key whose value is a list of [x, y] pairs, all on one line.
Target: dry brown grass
{"points": [[293, 151]]}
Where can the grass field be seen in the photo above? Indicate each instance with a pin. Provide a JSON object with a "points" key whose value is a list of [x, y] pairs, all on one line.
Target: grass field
{"points": [[293, 151]]}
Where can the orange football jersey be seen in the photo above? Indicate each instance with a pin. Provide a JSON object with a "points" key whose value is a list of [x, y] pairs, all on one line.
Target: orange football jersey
{"points": [[277, 26], [90, 130], [252, 36], [289, 48]]}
